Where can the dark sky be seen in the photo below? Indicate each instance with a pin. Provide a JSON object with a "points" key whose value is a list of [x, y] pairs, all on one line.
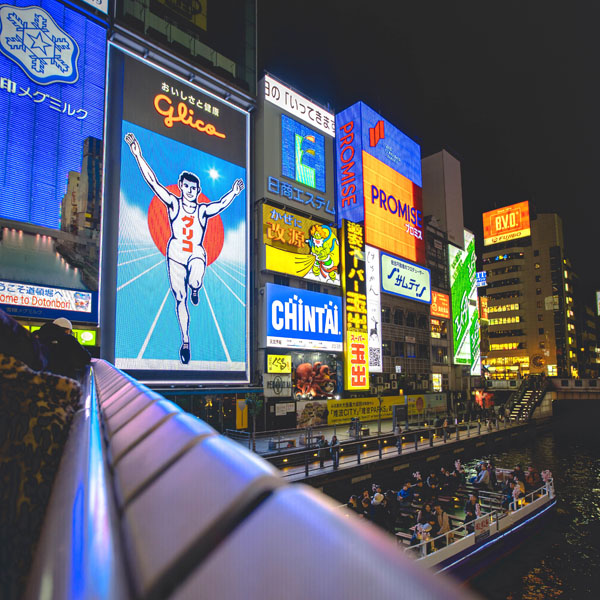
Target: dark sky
{"points": [[510, 88]]}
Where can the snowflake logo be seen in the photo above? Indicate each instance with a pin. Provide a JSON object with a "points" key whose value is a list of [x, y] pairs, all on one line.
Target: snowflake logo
{"points": [[31, 38]]}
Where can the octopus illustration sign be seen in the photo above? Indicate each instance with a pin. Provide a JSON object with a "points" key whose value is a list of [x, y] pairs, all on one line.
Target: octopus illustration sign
{"points": [[182, 241]]}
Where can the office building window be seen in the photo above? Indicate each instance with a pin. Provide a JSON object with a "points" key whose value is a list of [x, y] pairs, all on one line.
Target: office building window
{"points": [[411, 350], [398, 317], [385, 314], [538, 291], [538, 278], [281, 280], [540, 317], [541, 331], [539, 304], [399, 349], [536, 252], [537, 266]]}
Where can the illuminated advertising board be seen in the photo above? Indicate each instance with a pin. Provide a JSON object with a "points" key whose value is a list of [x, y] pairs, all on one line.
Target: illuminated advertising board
{"points": [[483, 308], [301, 319], [373, 277], [598, 303], [299, 246], [465, 318], [354, 285], [440, 305], [294, 151], [182, 258], [52, 77], [299, 107], [279, 363], [402, 278], [27, 300], [507, 223], [378, 171], [481, 279]]}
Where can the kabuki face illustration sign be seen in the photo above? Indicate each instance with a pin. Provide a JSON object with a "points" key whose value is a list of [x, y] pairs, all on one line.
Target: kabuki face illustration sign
{"points": [[182, 249]]}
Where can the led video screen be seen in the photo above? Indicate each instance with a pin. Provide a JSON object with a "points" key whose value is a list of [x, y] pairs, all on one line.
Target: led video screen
{"points": [[183, 233]]}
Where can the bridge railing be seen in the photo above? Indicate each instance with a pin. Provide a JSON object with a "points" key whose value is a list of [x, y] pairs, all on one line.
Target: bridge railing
{"points": [[152, 503]]}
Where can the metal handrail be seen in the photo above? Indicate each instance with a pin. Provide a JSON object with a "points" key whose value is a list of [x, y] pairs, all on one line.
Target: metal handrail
{"points": [[349, 453]]}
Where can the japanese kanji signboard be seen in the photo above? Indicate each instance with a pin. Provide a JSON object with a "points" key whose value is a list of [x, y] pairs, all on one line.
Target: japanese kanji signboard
{"points": [[356, 347], [299, 246]]}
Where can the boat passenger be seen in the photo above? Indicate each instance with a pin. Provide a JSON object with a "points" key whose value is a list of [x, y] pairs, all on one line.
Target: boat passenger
{"points": [[532, 479], [405, 495], [483, 479], [353, 504], [442, 522], [472, 512], [425, 515]]}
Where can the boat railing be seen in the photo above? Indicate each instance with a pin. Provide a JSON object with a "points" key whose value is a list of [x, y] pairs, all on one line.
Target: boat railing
{"points": [[458, 533]]}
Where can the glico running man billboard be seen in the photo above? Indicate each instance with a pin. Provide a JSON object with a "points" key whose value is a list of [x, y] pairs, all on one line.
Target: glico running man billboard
{"points": [[465, 317], [52, 74], [378, 171], [182, 262]]}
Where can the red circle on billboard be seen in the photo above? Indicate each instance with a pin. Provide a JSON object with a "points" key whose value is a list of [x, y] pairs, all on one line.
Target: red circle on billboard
{"points": [[160, 227], [420, 404]]}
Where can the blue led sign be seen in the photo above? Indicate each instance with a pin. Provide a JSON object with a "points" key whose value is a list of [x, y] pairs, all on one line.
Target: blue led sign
{"points": [[301, 319], [302, 154], [52, 71]]}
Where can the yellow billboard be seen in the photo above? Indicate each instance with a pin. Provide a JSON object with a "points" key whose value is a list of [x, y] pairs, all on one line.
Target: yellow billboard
{"points": [[279, 363], [299, 246]]}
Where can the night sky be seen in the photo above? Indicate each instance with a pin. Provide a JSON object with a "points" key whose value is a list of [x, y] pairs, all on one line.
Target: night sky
{"points": [[511, 89]]}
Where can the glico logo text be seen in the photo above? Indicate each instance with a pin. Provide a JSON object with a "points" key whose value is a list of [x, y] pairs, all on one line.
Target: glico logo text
{"points": [[164, 107], [393, 206]]}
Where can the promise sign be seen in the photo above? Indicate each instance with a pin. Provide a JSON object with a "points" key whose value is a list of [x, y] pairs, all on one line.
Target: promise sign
{"points": [[507, 223], [356, 347]]}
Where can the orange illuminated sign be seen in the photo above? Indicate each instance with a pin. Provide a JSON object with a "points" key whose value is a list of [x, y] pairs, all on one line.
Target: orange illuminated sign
{"points": [[163, 105], [393, 211], [507, 223], [440, 305], [483, 307]]}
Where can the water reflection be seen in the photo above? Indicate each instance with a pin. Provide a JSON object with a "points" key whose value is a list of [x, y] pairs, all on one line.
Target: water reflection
{"points": [[563, 559], [29, 257]]}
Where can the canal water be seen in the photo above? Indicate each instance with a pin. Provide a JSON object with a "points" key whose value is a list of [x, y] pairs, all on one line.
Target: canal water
{"points": [[562, 559], [27, 257]]}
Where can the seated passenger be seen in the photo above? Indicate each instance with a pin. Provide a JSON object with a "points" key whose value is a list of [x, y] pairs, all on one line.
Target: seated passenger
{"points": [[405, 495], [425, 515], [532, 479]]}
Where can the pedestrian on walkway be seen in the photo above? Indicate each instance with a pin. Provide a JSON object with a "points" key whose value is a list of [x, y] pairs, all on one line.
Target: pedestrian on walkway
{"points": [[335, 452], [322, 450]]}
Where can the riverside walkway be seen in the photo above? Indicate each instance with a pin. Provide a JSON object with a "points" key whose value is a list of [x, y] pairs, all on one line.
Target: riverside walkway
{"points": [[302, 463]]}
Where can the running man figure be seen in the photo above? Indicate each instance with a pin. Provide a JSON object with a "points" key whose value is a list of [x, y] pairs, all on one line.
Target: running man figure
{"points": [[186, 257]]}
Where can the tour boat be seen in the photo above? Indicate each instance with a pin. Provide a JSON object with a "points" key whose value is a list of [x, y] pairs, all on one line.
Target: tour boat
{"points": [[495, 532]]}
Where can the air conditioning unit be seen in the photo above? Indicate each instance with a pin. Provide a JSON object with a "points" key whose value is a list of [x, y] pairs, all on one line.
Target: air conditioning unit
{"points": [[393, 377], [394, 385]]}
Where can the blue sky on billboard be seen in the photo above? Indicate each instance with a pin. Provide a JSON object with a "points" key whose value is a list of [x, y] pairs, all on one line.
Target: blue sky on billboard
{"points": [[303, 319], [47, 121], [359, 128], [149, 336]]}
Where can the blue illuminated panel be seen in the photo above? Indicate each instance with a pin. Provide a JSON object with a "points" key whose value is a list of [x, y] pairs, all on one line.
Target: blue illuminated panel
{"points": [[302, 154], [44, 126], [360, 129]]}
